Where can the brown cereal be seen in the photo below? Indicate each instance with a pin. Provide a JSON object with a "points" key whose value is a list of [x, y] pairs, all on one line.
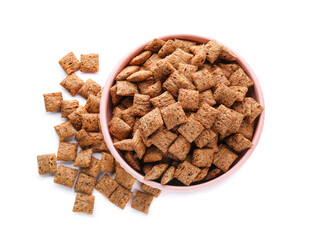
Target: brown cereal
{"points": [[72, 83], [163, 71], [89, 87], [168, 175], [67, 151], [106, 185], [201, 176], [93, 104], [151, 122], [69, 63], [47, 163], [240, 91], [163, 100], [191, 130], [184, 44], [126, 72], [225, 95], [142, 201], [203, 80], [89, 62], [256, 109], [244, 107], [125, 145], [240, 78], [156, 172], [147, 167], [216, 172], [126, 88], [139, 76], [238, 142], [98, 143], [206, 115], [76, 117], [178, 56], [113, 93], [170, 86], [219, 78], [153, 154], [173, 115], [84, 203], [52, 101], [128, 116], [199, 55], [83, 158], [207, 97], [213, 51], [124, 178], [91, 122], [168, 48], [85, 183], [207, 138], [119, 128], [141, 104], [187, 70], [153, 90], [133, 161], [67, 107], [180, 148], [120, 197], [155, 45], [186, 173], [151, 62], [189, 99], [228, 68], [65, 130], [141, 58], [180, 80], [94, 168], [138, 144], [247, 129], [202, 157], [227, 55], [153, 191], [224, 158], [107, 162], [65, 176], [162, 139]]}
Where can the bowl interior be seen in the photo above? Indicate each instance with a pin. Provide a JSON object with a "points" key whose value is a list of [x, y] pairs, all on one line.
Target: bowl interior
{"points": [[106, 115]]}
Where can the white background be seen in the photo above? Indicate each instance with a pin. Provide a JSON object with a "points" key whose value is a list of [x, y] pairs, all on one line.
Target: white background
{"points": [[266, 199]]}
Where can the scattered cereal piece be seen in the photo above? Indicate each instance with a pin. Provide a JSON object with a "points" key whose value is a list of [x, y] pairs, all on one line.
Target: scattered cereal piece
{"points": [[180, 148], [93, 104], [213, 174], [227, 55], [91, 122], [83, 158], [189, 99], [52, 101], [173, 115], [141, 104], [94, 168], [69, 63], [84, 203], [225, 95], [238, 142], [163, 100], [142, 201], [224, 158], [156, 172], [67, 151], [126, 88], [247, 129], [107, 162], [106, 185], [115, 98], [162, 139], [141, 58], [89, 62], [240, 91], [206, 115], [126, 72], [76, 117], [119, 128], [153, 191], [207, 97], [89, 87], [153, 154], [132, 161], [65, 130], [47, 164], [240, 78], [201, 176], [207, 138], [151, 122], [155, 45], [203, 80], [203, 157], [213, 51], [72, 83], [186, 173], [67, 107], [65, 176], [85, 183], [124, 178], [184, 44], [191, 130], [168, 48], [120, 197], [168, 175]]}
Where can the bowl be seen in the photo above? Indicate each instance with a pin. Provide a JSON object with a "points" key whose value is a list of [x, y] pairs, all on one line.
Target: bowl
{"points": [[106, 115]]}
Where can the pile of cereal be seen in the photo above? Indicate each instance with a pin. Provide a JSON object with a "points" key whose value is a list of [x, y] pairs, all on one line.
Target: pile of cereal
{"points": [[180, 111], [83, 123]]}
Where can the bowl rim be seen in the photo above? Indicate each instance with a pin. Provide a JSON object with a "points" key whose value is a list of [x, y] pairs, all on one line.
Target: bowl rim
{"points": [[105, 130]]}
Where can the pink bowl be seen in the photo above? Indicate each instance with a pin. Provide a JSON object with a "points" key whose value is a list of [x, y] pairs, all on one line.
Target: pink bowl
{"points": [[106, 114]]}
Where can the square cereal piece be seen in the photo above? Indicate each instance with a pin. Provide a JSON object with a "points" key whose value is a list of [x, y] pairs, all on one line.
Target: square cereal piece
{"points": [[189, 99], [83, 139], [119, 128], [207, 138], [65, 176], [163, 100], [199, 52], [224, 158], [216, 172], [244, 107], [181, 81], [156, 171], [76, 117], [124, 178], [98, 142], [138, 144], [256, 109], [213, 51], [206, 115], [52, 101], [178, 56], [184, 44], [67, 107], [65, 130], [238, 142], [151, 62], [120, 197], [128, 115], [168, 175], [162, 139], [186, 173], [141, 104], [203, 157], [140, 58], [170, 86], [219, 77], [67, 151], [153, 154], [180, 148], [173, 115], [228, 68], [84, 203], [72, 83], [225, 95], [168, 48], [47, 164], [240, 91], [83, 158], [94, 168], [155, 45], [91, 122], [151, 122], [126, 72], [153, 90], [93, 104], [141, 75], [108, 162], [69, 63], [126, 88], [116, 99], [141, 202], [227, 55], [132, 160], [85, 183], [187, 70], [163, 71], [203, 80], [228, 121], [89, 62], [106, 185], [89, 87], [153, 191], [201, 176], [191, 130], [207, 97], [247, 129], [240, 78]]}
